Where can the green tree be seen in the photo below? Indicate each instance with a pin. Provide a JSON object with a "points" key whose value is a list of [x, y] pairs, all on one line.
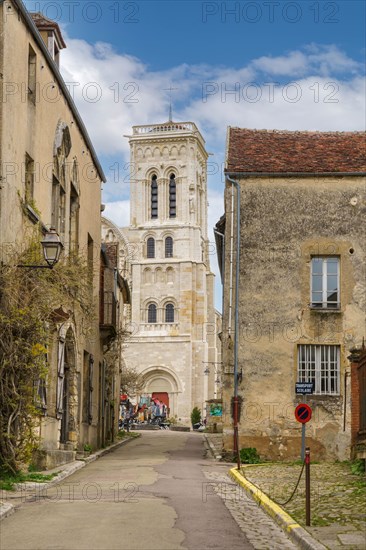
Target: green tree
{"points": [[195, 415], [29, 299]]}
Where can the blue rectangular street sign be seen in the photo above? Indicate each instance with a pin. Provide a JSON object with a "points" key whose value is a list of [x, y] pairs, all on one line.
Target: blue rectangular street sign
{"points": [[304, 387]]}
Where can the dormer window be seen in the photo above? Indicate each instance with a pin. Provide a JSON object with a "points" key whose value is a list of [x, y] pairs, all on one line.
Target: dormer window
{"points": [[51, 35], [53, 47]]}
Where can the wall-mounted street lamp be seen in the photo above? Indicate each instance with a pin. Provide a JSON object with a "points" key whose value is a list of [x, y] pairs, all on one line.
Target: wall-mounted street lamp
{"points": [[52, 248]]}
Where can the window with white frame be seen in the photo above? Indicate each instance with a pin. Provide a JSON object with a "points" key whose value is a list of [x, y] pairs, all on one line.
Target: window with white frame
{"points": [[325, 282], [320, 365]]}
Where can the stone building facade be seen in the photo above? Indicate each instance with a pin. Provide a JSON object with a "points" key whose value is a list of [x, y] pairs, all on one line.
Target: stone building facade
{"points": [[301, 300], [51, 176], [173, 320]]}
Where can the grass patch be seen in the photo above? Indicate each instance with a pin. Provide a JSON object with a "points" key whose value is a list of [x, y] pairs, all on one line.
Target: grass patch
{"points": [[8, 481]]}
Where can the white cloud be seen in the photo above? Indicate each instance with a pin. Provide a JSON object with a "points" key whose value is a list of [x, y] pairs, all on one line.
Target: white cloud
{"points": [[322, 60], [115, 91], [293, 64], [118, 212]]}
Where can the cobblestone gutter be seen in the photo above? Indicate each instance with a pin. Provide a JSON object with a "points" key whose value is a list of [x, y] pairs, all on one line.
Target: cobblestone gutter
{"points": [[338, 497], [338, 518]]}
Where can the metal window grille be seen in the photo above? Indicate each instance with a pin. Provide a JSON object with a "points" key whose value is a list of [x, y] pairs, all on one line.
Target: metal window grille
{"points": [[154, 198], [169, 247], [151, 313], [169, 313], [320, 365], [325, 282], [150, 247], [172, 197]]}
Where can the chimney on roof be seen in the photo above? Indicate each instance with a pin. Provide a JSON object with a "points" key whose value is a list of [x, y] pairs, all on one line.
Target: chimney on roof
{"points": [[51, 35]]}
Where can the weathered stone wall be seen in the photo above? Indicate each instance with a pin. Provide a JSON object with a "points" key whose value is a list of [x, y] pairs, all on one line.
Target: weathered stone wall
{"points": [[283, 223], [34, 128]]}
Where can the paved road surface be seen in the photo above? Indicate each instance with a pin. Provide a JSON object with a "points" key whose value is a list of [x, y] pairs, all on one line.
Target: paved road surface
{"points": [[157, 493]]}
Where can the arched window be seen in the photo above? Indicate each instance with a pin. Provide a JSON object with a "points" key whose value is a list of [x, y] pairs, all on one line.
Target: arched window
{"points": [[169, 247], [154, 197], [169, 313], [150, 247], [172, 197], [151, 313]]}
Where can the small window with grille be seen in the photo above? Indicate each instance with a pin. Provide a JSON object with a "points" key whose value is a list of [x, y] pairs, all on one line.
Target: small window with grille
{"points": [[320, 365]]}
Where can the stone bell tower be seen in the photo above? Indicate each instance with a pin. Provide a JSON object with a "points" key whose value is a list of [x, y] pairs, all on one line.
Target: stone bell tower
{"points": [[172, 308]]}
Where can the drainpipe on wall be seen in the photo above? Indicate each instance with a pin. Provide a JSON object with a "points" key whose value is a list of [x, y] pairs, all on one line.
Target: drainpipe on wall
{"points": [[236, 184]]}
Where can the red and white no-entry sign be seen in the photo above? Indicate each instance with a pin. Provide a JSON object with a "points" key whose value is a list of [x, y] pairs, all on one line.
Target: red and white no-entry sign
{"points": [[303, 413]]}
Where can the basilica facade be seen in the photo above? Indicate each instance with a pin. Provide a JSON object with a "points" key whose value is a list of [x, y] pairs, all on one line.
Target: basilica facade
{"points": [[164, 254]]}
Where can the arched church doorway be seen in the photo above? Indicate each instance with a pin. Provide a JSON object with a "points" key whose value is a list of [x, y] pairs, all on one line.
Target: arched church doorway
{"points": [[163, 384]]}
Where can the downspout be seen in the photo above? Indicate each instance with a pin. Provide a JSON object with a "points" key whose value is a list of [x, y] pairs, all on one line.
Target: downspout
{"points": [[231, 261], [222, 265], [236, 184]]}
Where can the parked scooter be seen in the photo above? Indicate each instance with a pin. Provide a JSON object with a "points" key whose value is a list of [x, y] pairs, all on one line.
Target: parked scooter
{"points": [[199, 426]]}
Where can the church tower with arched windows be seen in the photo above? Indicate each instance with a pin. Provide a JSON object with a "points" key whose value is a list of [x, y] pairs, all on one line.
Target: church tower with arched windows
{"points": [[172, 305]]}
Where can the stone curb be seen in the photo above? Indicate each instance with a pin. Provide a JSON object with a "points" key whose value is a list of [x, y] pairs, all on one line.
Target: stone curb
{"points": [[296, 533], [212, 448], [7, 509]]}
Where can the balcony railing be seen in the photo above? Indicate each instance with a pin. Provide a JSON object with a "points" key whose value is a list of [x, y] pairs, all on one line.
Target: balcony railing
{"points": [[167, 127]]}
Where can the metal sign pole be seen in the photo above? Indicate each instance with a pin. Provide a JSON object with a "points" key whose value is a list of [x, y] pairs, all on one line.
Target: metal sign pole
{"points": [[307, 487], [303, 442]]}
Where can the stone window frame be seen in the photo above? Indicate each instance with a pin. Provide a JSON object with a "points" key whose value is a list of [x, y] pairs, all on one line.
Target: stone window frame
{"points": [[170, 300], [315, 364]]}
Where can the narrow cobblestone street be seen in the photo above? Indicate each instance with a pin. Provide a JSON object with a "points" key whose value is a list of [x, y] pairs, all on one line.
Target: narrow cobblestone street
{"points": [[158, 492]]}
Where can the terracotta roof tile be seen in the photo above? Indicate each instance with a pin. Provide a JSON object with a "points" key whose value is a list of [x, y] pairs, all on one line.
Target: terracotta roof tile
{"points": [[277, 151]]}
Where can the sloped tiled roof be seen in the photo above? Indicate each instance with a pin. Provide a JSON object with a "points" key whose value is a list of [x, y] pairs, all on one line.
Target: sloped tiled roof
{"points": [[277, 151]]}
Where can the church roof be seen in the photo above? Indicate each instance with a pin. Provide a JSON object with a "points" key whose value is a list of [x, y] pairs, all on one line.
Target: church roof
{"points": [[279, 151]]}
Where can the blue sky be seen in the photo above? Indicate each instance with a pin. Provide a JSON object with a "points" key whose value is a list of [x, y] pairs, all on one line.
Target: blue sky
{"points": [[257, 64]]}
